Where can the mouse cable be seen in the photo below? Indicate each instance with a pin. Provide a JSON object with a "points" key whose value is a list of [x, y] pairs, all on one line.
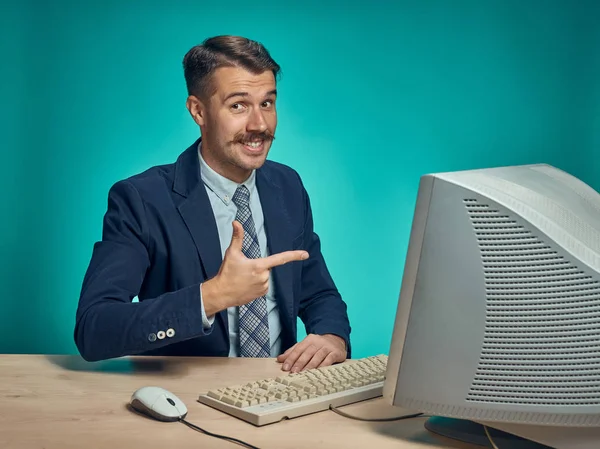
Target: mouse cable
{"points": [[395, 418], [222, 437]]}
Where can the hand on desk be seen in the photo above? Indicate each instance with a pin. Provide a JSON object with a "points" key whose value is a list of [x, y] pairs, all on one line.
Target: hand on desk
{"points": [[313, 352]]}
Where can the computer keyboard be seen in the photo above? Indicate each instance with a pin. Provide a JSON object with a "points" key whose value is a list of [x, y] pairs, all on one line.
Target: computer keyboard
{"points": [[266, 401]]}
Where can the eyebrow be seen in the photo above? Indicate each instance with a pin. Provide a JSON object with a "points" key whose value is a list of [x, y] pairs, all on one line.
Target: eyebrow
{"points": [[245, 94]]}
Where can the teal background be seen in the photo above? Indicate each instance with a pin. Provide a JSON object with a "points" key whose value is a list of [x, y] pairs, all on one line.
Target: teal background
{"points": [[371, 98]]}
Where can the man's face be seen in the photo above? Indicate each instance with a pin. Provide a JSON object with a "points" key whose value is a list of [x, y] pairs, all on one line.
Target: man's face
{"points": [[238, 121]]}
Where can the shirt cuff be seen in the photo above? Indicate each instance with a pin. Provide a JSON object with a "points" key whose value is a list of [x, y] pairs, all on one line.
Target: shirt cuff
{"points": [[207, 322]]}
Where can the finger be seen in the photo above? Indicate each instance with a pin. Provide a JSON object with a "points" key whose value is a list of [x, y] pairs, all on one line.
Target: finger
{"points": [[318, 358], [282, 357], [307, 341], [283, 258], [330, 359], [294, 354], [237, 238], [304, 358]]}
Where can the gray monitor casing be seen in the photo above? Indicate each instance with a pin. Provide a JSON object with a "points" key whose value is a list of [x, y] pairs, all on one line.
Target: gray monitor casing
{"points": [[498, 319]]}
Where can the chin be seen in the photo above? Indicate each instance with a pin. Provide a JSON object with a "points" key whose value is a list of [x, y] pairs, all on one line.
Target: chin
{"points": [[253, 161]]}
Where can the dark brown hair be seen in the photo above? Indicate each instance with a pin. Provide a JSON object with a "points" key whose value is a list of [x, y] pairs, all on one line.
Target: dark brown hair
{"points": [[224, 51]]}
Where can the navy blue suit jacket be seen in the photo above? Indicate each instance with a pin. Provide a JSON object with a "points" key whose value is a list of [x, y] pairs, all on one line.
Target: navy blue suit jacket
{"points": [[160, 241]]}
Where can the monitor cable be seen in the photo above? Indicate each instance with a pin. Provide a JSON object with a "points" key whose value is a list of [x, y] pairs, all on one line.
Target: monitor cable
{"points": [[490, 438], [394, 418]]}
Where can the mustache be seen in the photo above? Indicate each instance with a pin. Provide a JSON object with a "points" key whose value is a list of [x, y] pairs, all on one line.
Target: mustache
{"points": [[245, 137]]}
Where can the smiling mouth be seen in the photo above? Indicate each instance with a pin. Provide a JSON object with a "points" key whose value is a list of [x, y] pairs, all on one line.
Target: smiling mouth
{"points": [[254, 144]]}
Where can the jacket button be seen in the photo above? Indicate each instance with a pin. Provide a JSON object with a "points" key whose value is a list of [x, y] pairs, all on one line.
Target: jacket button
{"points": [[160, 335], [170, 332], [152, 337]]}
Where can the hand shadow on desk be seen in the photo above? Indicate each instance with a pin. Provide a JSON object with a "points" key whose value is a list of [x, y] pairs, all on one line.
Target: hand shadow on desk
{"points": [[126, 366]]}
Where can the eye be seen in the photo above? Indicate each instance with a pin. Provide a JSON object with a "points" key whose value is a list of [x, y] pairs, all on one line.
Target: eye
{"points": [[237, 107], [268, 103]]}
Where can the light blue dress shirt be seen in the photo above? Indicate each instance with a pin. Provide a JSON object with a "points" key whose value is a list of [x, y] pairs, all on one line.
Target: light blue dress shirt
{"points": [[220, 191]]}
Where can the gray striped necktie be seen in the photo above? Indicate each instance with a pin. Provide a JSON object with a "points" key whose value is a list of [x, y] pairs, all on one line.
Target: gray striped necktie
{"points": [[253, 319]]}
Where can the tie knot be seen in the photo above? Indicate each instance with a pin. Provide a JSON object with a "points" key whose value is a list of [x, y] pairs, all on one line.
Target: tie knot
{"points": [[241, 197]]}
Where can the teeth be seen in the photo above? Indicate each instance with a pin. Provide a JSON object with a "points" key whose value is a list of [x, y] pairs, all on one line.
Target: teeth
{"points": [[253, 144]]}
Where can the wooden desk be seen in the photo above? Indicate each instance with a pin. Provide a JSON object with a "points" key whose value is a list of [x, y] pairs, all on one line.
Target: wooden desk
{"points": [[64, 402]]}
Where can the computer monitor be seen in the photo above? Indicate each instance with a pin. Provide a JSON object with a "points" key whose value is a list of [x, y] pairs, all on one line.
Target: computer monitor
{"points": [[498, 320]]}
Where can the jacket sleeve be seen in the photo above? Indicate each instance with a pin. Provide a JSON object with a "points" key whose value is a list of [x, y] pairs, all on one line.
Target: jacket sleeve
{"points": [[321, 306], [108, 324]]}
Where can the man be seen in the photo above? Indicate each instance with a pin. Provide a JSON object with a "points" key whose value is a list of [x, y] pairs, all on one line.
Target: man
{"points": [[219, 247]]}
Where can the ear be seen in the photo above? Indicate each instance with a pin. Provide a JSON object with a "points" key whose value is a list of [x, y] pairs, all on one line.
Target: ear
{"points": [[196, 109]]}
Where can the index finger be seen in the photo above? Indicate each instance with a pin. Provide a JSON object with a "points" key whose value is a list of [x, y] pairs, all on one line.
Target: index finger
{"points": [[283, 258]]}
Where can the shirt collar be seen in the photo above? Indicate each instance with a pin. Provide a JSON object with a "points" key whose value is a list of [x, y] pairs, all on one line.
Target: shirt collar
{"points": [[221, 186]]}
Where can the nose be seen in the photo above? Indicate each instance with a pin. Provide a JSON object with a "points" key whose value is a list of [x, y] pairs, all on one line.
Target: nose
{"points": [[257, 122]]}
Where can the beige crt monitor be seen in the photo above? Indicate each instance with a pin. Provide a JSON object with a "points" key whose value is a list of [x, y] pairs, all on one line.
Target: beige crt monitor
{"points": [[498, 320]]}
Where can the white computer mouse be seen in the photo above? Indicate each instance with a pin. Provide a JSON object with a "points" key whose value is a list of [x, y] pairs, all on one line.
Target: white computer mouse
{"points": [[158, 403]]}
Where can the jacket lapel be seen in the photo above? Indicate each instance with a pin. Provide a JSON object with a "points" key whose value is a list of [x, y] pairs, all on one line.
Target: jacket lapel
{"points": [[277, 227], [196, 211]]}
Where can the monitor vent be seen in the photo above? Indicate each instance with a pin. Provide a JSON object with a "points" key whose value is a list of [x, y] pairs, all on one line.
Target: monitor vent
{"points": [[542, 334]]}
